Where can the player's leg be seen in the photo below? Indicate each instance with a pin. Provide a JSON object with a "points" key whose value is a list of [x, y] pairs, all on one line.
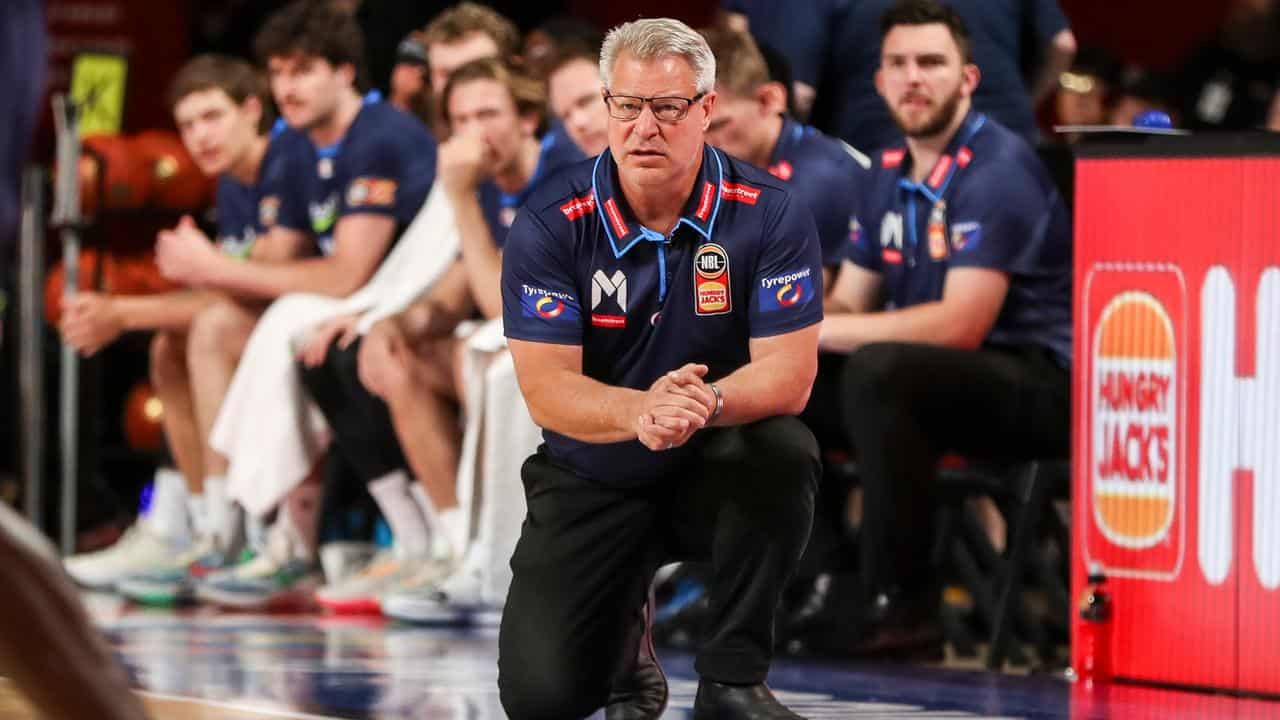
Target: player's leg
{"points": [[216, 340], [905, 405], [172, 383]]}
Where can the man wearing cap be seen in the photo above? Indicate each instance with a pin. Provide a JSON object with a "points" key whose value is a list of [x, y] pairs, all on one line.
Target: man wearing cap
{"points": [[662, 303], [408, 87]]}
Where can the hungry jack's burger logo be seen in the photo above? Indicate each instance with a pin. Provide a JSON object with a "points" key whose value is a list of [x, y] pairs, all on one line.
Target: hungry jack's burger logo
{"points": [[711, 280], [1134, 405]]}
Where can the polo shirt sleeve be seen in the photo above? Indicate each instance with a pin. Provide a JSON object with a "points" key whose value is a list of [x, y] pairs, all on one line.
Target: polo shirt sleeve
{"points": [[539, 295], [375, 173], [786, 292], [1000, 220]]}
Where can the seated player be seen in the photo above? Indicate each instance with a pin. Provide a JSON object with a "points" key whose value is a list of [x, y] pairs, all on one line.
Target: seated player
{"points": [[965, 234], [220, 107], [406, 363], [465, 32]]}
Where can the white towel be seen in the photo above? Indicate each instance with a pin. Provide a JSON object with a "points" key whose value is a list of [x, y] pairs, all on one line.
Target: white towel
{"points": [[268, 427], [499, 436]]}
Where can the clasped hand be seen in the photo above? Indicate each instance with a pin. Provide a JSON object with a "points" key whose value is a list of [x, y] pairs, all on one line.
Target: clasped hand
{"points": [[677, 405]]}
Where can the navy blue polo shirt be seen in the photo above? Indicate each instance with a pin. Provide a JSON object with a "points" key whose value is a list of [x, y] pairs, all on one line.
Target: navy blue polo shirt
{"points": [[826, 173], [555, 151], [384, 165], [743, 262], [246, 212], [1002, 32], [988, 203]]}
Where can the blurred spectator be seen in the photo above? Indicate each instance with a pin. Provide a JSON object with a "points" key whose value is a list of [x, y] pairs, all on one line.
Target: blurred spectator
{"points": [[1139, 91], [1003, 34], [801, 32], [574, 92], [547, 42], [966, 236], [749, 123], [1084, 91], [408, 89], [465, 32], [1230, 82]]}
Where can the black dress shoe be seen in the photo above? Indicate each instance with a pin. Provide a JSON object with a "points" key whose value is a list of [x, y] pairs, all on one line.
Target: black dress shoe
{"points": [[717, 701], [641, 693]]}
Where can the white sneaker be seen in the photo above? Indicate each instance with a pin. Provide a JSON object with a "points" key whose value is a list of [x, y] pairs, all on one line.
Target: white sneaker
{"points": [[262, 583], [358, 594], [138, 550], [171, 581], [457, 600]]}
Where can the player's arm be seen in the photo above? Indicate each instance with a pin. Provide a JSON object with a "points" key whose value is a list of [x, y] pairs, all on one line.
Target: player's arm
{"points": [[280, 243], [857, 290], [461, 159], [165, 311], [359, 243], [971, 301]]}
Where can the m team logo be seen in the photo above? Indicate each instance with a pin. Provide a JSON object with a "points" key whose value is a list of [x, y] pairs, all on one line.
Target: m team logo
{"points": [[1134, 404], [711, 281], [603, 286]]}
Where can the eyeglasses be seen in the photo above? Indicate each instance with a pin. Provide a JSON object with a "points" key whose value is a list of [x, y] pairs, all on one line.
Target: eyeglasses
{"points": [[665, 109]]}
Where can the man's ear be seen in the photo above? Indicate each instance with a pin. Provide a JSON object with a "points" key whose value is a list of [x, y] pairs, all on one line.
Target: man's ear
{"points": [[709, 103], [971, 77], [772, 97]]}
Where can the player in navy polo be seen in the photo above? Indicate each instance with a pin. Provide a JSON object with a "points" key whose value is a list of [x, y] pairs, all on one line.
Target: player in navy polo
{"points": [[967, 237], [751, 124], [662, 304]]}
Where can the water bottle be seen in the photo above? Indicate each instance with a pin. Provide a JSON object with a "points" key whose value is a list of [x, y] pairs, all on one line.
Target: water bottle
{"points": [[1095, 630]]}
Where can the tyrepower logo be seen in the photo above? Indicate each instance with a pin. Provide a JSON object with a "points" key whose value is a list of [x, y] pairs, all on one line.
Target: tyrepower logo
{"points": [[1136, 407]]}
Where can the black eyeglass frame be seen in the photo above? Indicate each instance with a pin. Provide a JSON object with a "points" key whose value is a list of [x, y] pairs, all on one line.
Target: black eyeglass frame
{"points": [[650, 101]]}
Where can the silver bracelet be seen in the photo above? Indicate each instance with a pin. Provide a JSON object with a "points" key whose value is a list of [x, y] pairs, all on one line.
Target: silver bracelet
{"points": [[719, 403]]}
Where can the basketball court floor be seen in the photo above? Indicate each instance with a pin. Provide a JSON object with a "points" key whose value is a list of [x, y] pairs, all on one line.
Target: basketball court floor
{"points": [[205, 665]]}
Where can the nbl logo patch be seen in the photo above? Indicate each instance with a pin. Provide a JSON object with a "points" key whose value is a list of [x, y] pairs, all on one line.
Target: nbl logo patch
{"points": [[786, 291], [711, 291]]}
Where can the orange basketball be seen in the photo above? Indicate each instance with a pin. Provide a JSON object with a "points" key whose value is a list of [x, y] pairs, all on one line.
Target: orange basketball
{"points": [[176, 182], [143, 418], [113, 175]]}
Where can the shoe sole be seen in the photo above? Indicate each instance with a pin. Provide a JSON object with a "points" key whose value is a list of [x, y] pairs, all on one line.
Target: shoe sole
{"points": [[157, 595], [258, 603]]}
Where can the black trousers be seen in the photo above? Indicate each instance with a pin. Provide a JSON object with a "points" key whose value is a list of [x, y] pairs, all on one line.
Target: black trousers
{"points": [[360, 420], [905, 405], [587, 554]]}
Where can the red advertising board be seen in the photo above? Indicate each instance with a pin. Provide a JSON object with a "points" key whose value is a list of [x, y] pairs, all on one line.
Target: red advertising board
{"points": [[1177, 413]]}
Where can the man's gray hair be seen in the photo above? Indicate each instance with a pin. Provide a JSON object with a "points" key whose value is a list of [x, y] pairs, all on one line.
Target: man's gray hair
{"points": [[656, 38]]}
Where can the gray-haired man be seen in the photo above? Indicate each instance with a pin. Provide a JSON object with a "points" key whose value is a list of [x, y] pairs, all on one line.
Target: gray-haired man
{"points": [[662, 303]]}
